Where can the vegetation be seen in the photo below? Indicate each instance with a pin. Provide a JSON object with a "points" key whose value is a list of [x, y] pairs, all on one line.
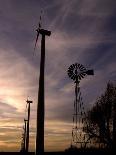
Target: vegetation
{"points": [[101, 119]]}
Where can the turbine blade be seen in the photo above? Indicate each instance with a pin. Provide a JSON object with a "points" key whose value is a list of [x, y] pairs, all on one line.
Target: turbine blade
{"points": [[36, 40]]}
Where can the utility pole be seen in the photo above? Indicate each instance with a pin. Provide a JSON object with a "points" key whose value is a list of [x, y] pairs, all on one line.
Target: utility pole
{"points": [[27, 135], [40, 105]]}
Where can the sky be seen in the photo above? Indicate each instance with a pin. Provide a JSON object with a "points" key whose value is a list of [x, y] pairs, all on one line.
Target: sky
{"points": [[82, 31]]}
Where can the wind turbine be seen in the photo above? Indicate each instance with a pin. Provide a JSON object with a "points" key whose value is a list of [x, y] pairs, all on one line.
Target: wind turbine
{"points": [[41, 104], [27, 130]]}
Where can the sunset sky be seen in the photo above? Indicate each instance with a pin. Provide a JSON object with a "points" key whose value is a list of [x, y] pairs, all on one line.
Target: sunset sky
{"points": [[83, 31]]}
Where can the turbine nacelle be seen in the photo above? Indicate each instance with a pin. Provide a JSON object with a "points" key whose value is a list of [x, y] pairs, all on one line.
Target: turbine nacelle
{"points": [[43, 32], [29, 101]]}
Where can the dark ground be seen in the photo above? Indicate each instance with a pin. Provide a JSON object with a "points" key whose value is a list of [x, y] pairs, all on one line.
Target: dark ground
{"points": [[79, 152]]}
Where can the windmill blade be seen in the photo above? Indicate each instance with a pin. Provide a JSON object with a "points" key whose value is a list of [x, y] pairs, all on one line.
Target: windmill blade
{"points": [[39, 27], [40, 19], [36, 39]]}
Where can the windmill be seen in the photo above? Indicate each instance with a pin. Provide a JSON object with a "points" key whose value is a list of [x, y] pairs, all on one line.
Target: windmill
{"points": [[79, 138], [41, 104]]}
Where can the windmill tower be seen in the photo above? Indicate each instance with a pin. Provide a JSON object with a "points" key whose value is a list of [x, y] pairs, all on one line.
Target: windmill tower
{"points": [[41, 104], [76, 72]]}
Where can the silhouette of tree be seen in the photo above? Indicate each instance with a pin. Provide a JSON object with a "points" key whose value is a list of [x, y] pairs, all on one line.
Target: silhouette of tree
{"points": [[101, 119]]}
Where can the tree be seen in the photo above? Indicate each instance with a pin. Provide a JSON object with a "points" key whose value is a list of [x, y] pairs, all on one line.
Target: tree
{"points": [[101, 119]]}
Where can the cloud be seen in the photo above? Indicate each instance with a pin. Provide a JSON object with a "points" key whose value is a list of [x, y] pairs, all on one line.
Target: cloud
{"points": [[16, 80], [57, 132]]}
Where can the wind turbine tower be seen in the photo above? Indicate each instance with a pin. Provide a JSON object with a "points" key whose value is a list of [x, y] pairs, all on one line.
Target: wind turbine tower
{"points": [[23, 146], [28, 119], [41, 104]]}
